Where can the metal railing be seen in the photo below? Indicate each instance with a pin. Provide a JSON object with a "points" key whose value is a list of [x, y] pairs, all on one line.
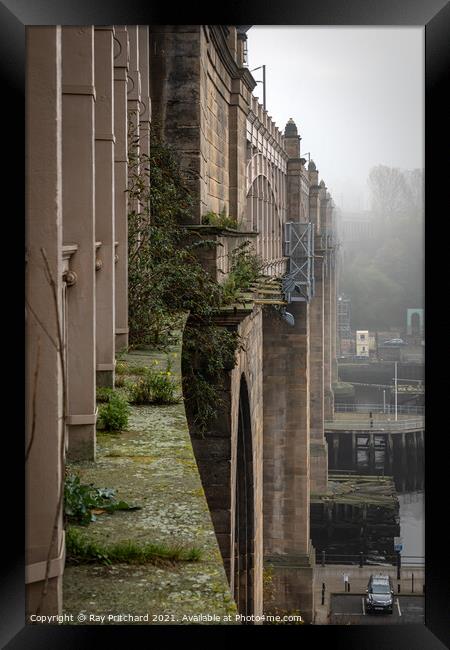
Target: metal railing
{"points": [[387, 409], [366, 424], [368, 559]]}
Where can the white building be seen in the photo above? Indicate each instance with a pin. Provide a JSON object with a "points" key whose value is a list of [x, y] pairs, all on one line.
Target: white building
{"points": [[362, 343]]}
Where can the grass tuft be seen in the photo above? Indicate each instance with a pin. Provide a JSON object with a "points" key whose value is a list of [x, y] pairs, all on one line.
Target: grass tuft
{"points": [[80, 550]]}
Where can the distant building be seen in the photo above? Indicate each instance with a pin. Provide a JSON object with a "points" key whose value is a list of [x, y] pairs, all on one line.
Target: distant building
{"points": [[343, 312], [415, 322], [356, 227], [362, 343]]}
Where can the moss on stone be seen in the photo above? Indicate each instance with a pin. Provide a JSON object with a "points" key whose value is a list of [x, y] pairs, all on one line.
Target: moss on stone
{"points": [[151, 465]]}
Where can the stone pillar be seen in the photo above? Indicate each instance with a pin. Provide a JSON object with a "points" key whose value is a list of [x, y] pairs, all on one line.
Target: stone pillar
{"points": [[318, 447], [333, 290], [104, 206], [296, 181], [389, 451], [133, 109], [121, 59], [178, 88], [286, 459], [319, 452], [145, 110], [44, 387], [328, 392], [237, 149], [330, 226], [78, 97]]}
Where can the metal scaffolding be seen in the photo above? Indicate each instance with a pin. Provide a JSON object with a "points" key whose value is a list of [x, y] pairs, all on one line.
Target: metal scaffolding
{"points": [[298, 283]]}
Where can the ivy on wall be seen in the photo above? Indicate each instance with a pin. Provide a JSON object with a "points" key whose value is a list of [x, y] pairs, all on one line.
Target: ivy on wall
{"points": [[167, 280]]}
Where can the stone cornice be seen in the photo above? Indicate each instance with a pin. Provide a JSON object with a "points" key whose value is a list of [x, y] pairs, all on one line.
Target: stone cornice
{"points": [[218, 38], [267, 135], [217, 230]]}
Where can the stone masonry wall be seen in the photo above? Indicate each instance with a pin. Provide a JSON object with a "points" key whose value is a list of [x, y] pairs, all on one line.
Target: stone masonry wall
{"points": [[215, 453], [287, 547]]}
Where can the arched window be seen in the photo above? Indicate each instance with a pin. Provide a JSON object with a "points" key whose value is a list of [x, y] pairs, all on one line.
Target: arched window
{"points": [[263, 216]]}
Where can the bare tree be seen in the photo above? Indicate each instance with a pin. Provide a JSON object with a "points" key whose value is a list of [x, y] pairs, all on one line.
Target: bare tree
{"points": [[389, 192]]}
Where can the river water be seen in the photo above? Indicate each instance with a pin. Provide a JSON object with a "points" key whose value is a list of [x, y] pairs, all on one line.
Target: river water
{"points": [[412, 526], [410, 495]]}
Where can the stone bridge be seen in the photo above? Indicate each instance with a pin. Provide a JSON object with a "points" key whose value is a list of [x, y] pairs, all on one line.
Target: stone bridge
{"points": [[268, 452]]}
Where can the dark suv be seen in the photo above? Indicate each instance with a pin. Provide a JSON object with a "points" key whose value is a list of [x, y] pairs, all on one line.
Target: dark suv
{"points": [[380, 594]]}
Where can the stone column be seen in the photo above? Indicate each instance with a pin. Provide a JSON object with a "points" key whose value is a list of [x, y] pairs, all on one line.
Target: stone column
{"points": [[104, 205], [121, 59], [334, 260], [328, 393], [178, 88], [145, 110], [237, 148], [318, 448], [319, 453], [79, 228], [286, 458], [294, 172], [44, 387], [133, 110], [332, 271]]}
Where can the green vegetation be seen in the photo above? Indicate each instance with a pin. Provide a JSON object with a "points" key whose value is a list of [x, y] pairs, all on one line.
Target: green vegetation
{"points": [[121, 368], [245, 270], [113, 414], [208, 352], [154, 388], [167, 281], [80, 550], [139, 371], [82, 502], [221, 220], [119, 381], [103, 394]]}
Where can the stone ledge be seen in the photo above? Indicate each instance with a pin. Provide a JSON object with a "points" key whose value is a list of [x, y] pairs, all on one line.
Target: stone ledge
{"points": [[151, 465]]}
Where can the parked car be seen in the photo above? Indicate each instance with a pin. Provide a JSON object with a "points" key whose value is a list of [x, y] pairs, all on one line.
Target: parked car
{"points": [[395, 342], [380, 594]]}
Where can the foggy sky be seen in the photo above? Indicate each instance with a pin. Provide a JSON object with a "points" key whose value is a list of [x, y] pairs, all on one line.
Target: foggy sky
{"points": [[355, 93]]}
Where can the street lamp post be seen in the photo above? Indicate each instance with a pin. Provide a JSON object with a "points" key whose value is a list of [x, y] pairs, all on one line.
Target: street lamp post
{"points": [[263, 82]]}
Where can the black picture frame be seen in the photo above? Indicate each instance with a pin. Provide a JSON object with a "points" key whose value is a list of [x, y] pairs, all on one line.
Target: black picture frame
{"points": [[434, 15]]}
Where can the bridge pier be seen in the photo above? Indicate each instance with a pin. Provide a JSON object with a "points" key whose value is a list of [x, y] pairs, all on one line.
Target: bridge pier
{"points": [[319, 447], [389, 457], [354, 458], [287, 545], [371, 453]]}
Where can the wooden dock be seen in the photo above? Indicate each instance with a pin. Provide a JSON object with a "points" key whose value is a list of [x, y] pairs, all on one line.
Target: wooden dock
{"points": [[356, 514]]}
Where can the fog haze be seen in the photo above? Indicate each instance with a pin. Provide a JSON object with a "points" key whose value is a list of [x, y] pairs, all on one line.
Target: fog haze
{"points": [[356, 95]]}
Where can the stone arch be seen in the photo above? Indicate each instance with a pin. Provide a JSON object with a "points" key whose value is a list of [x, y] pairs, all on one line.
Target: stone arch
{"points": [[244, 526], [263, 216]]}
